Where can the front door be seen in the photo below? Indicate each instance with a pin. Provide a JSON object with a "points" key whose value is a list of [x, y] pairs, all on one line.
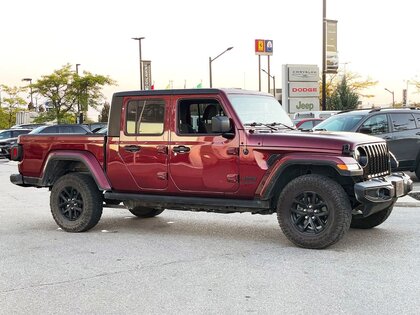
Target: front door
{"points": [[202, 160], [143, 145]]}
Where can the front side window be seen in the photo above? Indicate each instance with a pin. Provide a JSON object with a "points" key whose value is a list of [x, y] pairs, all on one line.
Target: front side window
{"points": [[402, 121], [195, 115], [378, 124], [145, 117]]}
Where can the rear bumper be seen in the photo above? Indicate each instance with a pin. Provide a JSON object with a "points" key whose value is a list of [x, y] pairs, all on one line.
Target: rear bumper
{"points": [[24, 181], [380, 193]]}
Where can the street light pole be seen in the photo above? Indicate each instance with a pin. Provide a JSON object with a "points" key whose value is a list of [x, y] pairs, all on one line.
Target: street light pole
{"points": [[211, 60], [141, 70], [324, 55], [78, 118], [274, 82], [393, 99], [30, 87]]}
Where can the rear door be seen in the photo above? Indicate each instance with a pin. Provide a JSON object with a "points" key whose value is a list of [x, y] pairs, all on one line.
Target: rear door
{"points": [[143, 145]]}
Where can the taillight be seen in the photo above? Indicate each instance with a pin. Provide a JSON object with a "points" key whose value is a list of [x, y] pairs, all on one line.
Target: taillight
{"points": [[16, 152]]}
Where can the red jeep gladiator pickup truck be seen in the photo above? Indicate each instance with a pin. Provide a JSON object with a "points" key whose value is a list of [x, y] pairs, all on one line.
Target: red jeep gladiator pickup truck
{"points": [[217, 150]]}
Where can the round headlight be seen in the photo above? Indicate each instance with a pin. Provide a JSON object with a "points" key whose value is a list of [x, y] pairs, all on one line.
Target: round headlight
{"points": [[360, 155]]}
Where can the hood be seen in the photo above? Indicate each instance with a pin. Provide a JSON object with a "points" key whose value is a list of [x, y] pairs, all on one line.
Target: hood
{"points": [[3, 141], [318, 141]]}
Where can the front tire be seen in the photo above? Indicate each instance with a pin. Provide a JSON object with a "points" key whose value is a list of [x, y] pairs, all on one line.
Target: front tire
{"points": [[314, 211], [372, 220], [76, 202]]}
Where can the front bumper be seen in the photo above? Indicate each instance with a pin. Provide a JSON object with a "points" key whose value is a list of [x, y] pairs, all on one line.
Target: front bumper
{"points": [[4, 150], [380, 193]]}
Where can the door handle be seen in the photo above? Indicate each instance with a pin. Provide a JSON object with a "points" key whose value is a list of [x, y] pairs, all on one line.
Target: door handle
{"points": [[387, 138], [418, 133], [181, 149], [132, 148]]}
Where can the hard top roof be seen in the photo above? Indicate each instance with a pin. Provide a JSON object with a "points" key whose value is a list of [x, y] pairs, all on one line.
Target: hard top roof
{"points": [[186, 92]]}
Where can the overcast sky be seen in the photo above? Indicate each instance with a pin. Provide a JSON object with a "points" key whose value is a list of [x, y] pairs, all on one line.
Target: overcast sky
{"points": [[376, 39]]}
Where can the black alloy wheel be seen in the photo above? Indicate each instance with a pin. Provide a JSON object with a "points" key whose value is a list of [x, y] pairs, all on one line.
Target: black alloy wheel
{"points": [[309, 213], [70, 203]]}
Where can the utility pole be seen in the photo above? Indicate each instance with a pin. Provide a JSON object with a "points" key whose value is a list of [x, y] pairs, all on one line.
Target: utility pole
{"points": [[141, 70], [324, 55]]}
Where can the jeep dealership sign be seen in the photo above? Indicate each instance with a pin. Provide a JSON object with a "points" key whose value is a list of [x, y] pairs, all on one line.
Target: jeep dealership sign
{"points": [[300, 88], [303, 104]]}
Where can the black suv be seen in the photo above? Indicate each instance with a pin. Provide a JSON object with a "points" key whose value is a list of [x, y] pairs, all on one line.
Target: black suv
{"points": [[8, 138], [399, 127]]}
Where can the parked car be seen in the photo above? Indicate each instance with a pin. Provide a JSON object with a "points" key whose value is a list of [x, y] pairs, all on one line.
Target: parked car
{"points": [[62, 129], [102, 131], [8, 138], [399, 127], [27, 126], [94, 127], [307, 124]]}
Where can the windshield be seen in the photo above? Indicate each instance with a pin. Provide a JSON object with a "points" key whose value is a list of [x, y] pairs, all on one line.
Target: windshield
{"points": [[259, 109], [340, 123]]}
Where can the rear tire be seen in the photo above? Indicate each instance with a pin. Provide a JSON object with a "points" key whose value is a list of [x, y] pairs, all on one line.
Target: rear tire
{"points": [[76, 202], [314, 211], [372, 220], [145, 212]]}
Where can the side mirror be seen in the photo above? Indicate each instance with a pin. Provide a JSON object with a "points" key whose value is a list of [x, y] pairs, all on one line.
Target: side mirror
{"points": [[220, 124], [365, 130]]}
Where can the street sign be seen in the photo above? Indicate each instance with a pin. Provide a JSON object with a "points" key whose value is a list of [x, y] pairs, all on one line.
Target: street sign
{"points": [[264, 47]]}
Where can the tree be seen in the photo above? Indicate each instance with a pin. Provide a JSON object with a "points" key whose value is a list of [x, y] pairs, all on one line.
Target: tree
{"points": [[13, 102], [353, 81], [105, 112], [343, 97], [70, 93]]}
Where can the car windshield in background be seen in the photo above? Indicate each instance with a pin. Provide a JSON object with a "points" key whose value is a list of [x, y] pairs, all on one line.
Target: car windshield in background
{"points": [[5, 134], [339, 123], [257, 109]]}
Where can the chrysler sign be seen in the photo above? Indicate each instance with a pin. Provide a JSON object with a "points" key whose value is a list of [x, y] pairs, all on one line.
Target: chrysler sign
{"points": [[303, 73]]}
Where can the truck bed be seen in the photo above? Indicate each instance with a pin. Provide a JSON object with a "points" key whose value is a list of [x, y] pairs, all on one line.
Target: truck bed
{"points": [[37, 147]]}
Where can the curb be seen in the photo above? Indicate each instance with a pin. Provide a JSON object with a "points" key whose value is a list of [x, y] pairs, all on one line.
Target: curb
{"points": [[411, 200]]}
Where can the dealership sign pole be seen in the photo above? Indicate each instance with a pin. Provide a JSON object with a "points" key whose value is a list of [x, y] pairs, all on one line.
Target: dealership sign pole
{"points": [[263, 47]]}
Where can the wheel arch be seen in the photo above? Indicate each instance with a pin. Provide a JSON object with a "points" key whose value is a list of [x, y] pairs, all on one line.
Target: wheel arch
{"points": [[288, 171], [60, 163]]}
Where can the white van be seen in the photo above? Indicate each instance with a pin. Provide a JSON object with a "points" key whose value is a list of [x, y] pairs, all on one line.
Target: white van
{"points": [[322, 114]]}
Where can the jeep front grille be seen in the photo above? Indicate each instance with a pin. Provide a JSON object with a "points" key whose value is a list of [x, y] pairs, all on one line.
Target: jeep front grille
{"points": [[377, 160]]}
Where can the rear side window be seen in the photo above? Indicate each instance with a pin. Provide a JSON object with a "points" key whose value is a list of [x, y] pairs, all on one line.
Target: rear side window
{"points": [[50, 129], [378, 124], [402, 121], [145, 117]]}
